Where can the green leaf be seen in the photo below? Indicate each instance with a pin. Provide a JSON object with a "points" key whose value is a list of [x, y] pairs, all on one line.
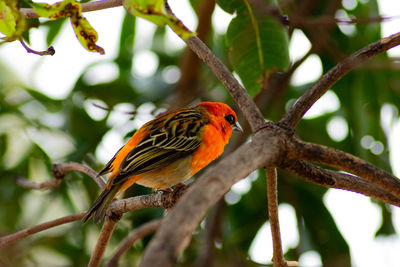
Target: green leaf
{"points": [[54, 29], [153, 10], [257, 45], [12, 22], [85, 33]]}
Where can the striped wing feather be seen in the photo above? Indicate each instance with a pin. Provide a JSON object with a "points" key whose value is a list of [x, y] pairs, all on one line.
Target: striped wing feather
{"points": [[169, 140]]}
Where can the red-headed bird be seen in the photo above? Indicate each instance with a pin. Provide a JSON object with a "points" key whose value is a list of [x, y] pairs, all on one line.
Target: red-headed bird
{"points": [[167, 150]]}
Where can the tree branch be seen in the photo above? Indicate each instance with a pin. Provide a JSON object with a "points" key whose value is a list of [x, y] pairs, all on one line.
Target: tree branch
{"points": [[30, 13], [272, 194], [297, 111], [101, 245], [9, 239], [59, 171], [349, 163], [136, 234], [338, 180], [25, 183]]}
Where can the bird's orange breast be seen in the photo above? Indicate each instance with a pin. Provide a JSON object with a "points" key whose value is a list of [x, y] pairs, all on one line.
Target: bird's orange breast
{"points": [[212, 146]]}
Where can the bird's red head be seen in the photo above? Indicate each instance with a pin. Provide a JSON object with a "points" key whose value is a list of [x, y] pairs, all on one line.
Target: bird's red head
{"points": [[224, 115], [218, 109]]}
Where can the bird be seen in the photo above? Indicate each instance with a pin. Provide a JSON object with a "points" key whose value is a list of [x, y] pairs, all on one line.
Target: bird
{"points": [[167, 151]]}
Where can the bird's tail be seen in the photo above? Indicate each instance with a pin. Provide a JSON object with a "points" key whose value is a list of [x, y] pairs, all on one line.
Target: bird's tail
{"points": [[99, 207]]}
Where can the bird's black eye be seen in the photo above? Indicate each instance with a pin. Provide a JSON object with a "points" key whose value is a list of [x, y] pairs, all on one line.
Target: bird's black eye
{"points": [[230, 118]]}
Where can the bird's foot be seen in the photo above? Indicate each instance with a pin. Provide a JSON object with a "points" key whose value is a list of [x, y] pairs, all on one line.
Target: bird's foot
{"points": [[172, 196]]}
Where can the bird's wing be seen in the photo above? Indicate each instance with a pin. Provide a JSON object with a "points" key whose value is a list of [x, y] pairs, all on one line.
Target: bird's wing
{"points": [[171, 138], [108, 167]]}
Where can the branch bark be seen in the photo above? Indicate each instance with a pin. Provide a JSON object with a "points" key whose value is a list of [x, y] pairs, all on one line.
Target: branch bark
{"points": [[338, 180], [272, 194], [104, 238], [297, 111], [9, 239], [349, 163], [59, 171]]}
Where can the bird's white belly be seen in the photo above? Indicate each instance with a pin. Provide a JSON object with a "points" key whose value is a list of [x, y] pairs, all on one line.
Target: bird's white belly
{"points": [[173, 174]]}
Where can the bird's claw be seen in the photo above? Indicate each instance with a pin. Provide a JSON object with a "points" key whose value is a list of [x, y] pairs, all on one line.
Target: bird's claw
{"points": [[172, 196]]}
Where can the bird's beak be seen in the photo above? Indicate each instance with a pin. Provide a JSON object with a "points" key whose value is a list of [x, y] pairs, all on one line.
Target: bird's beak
{"points": [[237, 127]]}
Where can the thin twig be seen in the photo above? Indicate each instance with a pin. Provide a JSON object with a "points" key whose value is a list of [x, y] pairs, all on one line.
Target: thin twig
{"points": [[59, 171], [25, 183], [50, 51], [30, 13], [104, 238], [297, 111], [136, 234], [338, 180], [9, 239], [349, 163], [272, 194]]}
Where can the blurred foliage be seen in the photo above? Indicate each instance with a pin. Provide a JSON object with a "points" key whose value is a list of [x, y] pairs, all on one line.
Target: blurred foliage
{"points": [[37, 131]]}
